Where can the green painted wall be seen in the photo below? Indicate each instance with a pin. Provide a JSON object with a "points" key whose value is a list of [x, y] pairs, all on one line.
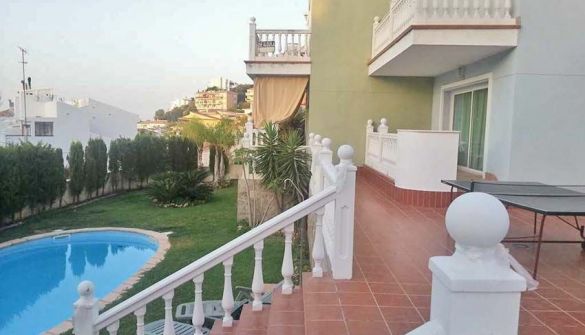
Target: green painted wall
{"points": [[342, 95]]}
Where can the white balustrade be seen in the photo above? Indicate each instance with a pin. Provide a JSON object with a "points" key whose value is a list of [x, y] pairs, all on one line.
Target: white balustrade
{"points": [[258, 279], [279, 44], [198, 317], [332, 197], [139, 313], [169, 327], [404, 14], [381, 149], [318, 245], [287, 269], [227, 302]]}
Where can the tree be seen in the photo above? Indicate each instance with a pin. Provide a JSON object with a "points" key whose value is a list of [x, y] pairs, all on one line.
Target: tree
{"points": [[60, 180], [127, 160], [96, 165], [76, 174], [114, 163], [102, 164], [197, 132], [11, 197], [159, 114], [182, 154]]}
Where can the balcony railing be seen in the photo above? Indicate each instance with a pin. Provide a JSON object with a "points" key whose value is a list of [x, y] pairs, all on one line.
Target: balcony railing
{"points": [[332, 203], [405, 14], [279, 45]]}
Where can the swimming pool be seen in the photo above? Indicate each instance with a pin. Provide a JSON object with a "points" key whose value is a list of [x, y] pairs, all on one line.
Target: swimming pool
{"points": [[39, 278]]}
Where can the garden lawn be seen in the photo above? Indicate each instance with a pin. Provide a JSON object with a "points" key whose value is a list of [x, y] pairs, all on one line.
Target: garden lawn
{"points": [[196, 231]]}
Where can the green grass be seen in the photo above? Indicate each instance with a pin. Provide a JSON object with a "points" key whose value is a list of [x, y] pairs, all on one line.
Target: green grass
{"points": [[196, 231]]}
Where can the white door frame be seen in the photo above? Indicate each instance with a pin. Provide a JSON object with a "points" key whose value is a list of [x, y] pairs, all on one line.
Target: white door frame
{"points": [[471, 84]]}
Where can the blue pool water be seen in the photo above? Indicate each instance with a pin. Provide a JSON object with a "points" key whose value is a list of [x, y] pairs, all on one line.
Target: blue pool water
{"points": [[38, 279]]}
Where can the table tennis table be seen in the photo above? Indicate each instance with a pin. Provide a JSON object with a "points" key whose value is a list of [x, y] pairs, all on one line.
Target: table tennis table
{"points": [[562, 201]]}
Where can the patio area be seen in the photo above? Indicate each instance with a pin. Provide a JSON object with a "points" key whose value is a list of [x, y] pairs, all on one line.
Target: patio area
{"points": [[390, 291]]}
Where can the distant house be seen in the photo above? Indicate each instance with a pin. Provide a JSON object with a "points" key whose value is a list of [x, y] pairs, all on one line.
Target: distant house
{"points": [[157, 127], [57, 122], [222, 100]]}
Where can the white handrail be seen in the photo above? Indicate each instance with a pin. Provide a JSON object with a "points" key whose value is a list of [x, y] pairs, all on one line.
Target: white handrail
{"points": [[215, 257]]}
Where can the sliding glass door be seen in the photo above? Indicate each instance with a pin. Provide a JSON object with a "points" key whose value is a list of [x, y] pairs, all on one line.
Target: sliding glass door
{"points": [[469, 117]]}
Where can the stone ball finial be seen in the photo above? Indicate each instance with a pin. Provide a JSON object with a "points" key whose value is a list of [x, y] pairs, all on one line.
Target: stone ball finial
{"points": [[376, 19], [326, 143], [86, 288], [384, 122], [317, 139], [311, 135], [370, 123], [345, 152], [252, 19], [249, 118], [477, 220]]}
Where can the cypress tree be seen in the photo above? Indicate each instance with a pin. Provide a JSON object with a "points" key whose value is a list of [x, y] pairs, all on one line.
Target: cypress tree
{"points": [[76, 174]]}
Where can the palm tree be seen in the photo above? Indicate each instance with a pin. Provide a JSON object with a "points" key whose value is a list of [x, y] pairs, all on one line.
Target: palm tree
{"points": [[196, 131]]}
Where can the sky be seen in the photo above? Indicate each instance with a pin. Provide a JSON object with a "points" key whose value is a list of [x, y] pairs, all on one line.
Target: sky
{"points": [[138, 55]]}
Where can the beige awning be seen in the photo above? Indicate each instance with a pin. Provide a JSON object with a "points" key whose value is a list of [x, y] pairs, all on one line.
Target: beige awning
{"points": [[277, 98]]}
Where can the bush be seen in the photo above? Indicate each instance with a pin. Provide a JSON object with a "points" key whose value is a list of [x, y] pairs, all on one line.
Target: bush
{"points": [[180, 189]]}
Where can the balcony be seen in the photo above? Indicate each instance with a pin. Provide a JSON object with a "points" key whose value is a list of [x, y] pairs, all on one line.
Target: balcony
{"points": [[425, 38], [278, 52]]}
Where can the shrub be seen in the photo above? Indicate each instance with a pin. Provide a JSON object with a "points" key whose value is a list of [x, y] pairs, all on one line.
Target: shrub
{"points": [[180, 189]]}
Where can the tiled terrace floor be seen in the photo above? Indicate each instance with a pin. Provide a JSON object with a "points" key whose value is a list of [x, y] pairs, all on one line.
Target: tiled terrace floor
{"points": [[390, 292]]}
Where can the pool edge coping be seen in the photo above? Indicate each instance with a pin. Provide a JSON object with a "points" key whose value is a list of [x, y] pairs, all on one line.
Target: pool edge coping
{"points": [[163, 246]]}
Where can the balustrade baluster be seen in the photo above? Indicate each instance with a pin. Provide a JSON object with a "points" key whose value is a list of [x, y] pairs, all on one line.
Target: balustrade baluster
{"points": [[287, 269], [486, 8], [258, 280], [456, 8], [113, 328], [475, 8], [465, 8], [435, 8], [507, 9], [446, 8], [169, 328], [140, 320], [227, 302], [318, 244], [198, 317]]}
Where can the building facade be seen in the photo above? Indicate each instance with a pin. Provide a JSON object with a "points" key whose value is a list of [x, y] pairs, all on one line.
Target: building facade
{"points": [[53, 121], [222, 100]]}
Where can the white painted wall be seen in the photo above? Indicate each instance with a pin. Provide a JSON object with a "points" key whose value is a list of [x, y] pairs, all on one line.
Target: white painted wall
{"points": [[77, 120], [425, 158], [537, 96]]}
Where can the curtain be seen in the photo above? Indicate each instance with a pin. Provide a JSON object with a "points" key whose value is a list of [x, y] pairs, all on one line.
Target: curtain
{"points": [[461, 122], [277, 98]]}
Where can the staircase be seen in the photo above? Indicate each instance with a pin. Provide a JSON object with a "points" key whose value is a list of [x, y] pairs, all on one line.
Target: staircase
{"points": [[287, 314]]}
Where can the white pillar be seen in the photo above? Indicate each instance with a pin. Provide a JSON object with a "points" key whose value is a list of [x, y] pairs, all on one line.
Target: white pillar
{"points": [[169, 328], [198, 317], [113, 328], [227, 302], [86, 309], [342, 268], [318, 244], [140, 320], [287, 269], [252, 54], [475, 291], [258, 280]]}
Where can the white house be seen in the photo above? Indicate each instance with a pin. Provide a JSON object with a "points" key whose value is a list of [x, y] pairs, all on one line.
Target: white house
{"points": [[57, 122]]}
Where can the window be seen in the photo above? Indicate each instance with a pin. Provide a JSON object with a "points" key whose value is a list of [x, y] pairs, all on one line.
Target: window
{"points": [[43, 128], [469, 117]]}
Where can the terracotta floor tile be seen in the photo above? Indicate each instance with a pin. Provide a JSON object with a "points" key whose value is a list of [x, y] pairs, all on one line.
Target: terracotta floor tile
{"points": [[361, 313], [570, 305], [537, 304], [401, 314], [279, 318], [285, 330], [393, 300], [326, 328], [418, 289], [570, 330], [359, 299], [321, 299], [390, 288], [367, 328], [352, 286], [556, 319], [580, 316], [320, 313], [422, 301], [527, 319], [402, 328]]}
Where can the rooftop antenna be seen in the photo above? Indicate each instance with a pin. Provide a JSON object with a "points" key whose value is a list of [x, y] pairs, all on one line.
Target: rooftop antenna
{"points": [[24, 129]]}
